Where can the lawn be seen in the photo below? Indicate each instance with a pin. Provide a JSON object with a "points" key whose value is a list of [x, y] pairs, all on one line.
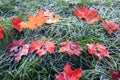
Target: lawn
{"points": [[33, 67]]}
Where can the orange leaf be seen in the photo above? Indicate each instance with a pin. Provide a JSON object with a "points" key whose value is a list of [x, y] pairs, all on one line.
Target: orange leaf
{"points": [[98, 50], [69, 74], [34, 21]]}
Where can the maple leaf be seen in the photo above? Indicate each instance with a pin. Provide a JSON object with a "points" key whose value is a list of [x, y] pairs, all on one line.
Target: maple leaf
{"points": [[69, 74], [115, 75], [40, 18], [15, 22], [52, 18], [34, 21], [1, 33], [70, 47], [47, 13], [110, 26], [80, 12], [17, 48], [89, 15], [98, 50], [42, 47]]}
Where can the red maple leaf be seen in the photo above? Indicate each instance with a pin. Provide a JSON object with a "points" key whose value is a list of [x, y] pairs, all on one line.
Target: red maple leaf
{"points": [[98, 50], [69, 74], [1, 33], [115, 75], [16, 23], [42, 47], [89, 15], [110, 26], [17, 48], [70, 47]]}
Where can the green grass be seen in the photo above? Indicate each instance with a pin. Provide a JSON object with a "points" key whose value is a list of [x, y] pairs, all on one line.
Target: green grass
{"points": [[32, 67]]}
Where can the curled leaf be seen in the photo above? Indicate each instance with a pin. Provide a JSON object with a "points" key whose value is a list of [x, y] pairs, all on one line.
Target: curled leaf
{"points": [[69, 74], [98, 50], [16, 25], [70, 47], [110, 26], [17, 49], [42, 47], [89, 15]]}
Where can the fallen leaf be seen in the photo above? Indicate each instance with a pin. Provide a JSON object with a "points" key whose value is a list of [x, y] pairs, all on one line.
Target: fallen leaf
{"points": [[80, 13], [110, 26], [1, 33], [115, 75], [98, 50], [34, 21], [69, 74], [47, 13], [40, 18], [15, 22], [52, 18], [89, 15], [42, 47], [17, 49], [70, 48]]}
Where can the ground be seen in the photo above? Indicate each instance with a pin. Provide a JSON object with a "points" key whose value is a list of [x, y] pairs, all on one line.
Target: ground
{"points": [[33, 67]]}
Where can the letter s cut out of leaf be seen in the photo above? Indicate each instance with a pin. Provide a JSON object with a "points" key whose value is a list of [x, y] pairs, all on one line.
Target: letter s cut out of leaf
{"points": [[17, 49]]}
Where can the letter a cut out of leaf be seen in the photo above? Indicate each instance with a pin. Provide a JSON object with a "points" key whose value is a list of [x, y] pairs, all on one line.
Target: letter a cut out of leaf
{"points": [[17, 49]]}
